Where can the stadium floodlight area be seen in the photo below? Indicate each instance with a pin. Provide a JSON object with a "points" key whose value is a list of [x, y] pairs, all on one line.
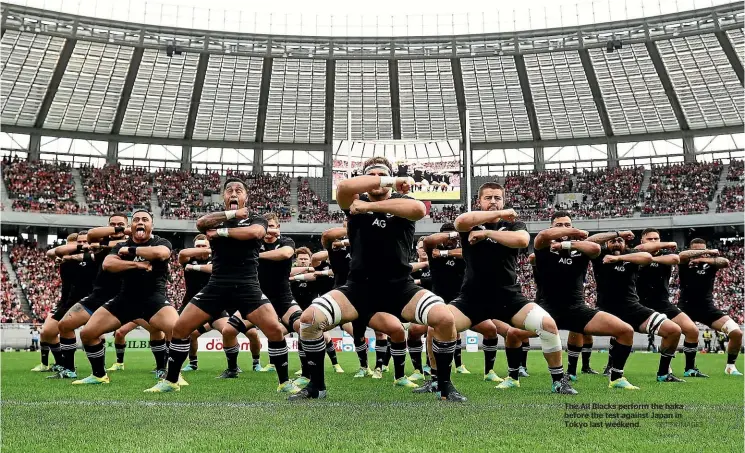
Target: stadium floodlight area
{"points": [[435, 165]]}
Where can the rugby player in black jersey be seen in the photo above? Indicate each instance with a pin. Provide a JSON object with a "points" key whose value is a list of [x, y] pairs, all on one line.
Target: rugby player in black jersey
{"points": [[49, 335], [562, 255], [698, 269], [490, 239], [616, 270], [381, 232], [233, 286], [142, 261], [653, 287], [92, 287], [197, 265]]}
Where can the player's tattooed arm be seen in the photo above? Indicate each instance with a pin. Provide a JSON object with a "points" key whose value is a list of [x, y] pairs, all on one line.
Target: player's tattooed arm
{"points": [[547, 236], [718, 262], [602, 238], [688, 255], [588, 248], [465, 222], [195, 252], [319, 257], [210, 221], [331, 235], [407, 208], [115, 264]]}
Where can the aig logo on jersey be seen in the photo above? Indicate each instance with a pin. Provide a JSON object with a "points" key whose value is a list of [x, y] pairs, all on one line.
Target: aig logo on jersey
{"points": [[381, 223], [620, 267], [138, 259], [450, 263], [702, 270]]}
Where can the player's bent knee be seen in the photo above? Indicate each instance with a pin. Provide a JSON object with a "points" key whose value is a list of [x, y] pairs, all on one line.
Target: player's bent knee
{"points": [[655, 323], [731, 328], [236, 324], [293, 319], [274, 332], [426, 303], [327, 306]]}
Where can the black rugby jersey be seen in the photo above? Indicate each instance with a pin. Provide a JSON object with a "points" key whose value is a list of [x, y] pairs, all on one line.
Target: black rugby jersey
{"points": [[616, 282], [653, 282], [274, 275], [106, 284], [490, 265], [195, 280], [562, 275], [235, 261], [339, 260], [446, 275], [696, 282], [139, 282], [380, 245]]}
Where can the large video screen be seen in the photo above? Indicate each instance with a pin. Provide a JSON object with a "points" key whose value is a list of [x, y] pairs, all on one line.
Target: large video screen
{"points": [[429, 183]]}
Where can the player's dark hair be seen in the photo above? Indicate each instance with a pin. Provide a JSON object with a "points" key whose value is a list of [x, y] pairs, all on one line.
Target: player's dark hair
{"points": [[145, 211], [490, 185], [558, 214], [82, 232], [378, 160], [650, 230], [698, 241], [118, 214], [234, 179], [271, 216], [447, 227], [303, 251]]}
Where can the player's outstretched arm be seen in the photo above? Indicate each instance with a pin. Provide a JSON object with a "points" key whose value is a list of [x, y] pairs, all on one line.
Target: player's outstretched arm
{"points": [[669, 260], [206, 268], [249, 233], [67, 249], [654, 247], [433, 240], [602, 238], [638, 258], [319, 257], [718, 262], [283, 253], [99, 233], [419, 265], [349, 190], [512, 239], [301, 270], [588, 248], [148, 253], [195, 252], [115, 264], [408, 208], [687, 255], [332, 234], [547, 236], [210, 221], [465, 222], [452, 253]]}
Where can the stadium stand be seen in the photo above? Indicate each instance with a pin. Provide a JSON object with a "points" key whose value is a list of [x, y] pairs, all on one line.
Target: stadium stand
{"points": [[175, 287], [38, 277], [10, 306], [114, 188], [44, 187], [681, 188], [181, 195], [731, 199], [311, 209]]}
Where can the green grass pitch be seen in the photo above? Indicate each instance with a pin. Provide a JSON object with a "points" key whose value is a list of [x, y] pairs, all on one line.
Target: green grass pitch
{"points": [[246, 414]]}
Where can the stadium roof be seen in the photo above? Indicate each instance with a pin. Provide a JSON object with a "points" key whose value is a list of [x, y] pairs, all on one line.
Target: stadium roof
{"points": [[675, 76]]}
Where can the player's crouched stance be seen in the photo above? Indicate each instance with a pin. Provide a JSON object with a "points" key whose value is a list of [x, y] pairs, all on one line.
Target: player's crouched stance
{"points": [[381, 233]]}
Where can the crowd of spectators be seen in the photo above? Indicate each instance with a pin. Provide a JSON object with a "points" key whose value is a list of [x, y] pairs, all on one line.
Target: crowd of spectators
{"points": [[608, 192], [45, 187], [680, 189], [181, 195], [446, 213], [731, 199], [536, 190], [311, 209], [175, 286], [736, 168], [10, 306], [114, 188], [728, 287], [38, 277], [266, 193]]}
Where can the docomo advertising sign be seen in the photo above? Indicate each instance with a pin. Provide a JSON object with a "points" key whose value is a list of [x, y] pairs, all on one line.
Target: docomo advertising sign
{"points": [[214, 344]]}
